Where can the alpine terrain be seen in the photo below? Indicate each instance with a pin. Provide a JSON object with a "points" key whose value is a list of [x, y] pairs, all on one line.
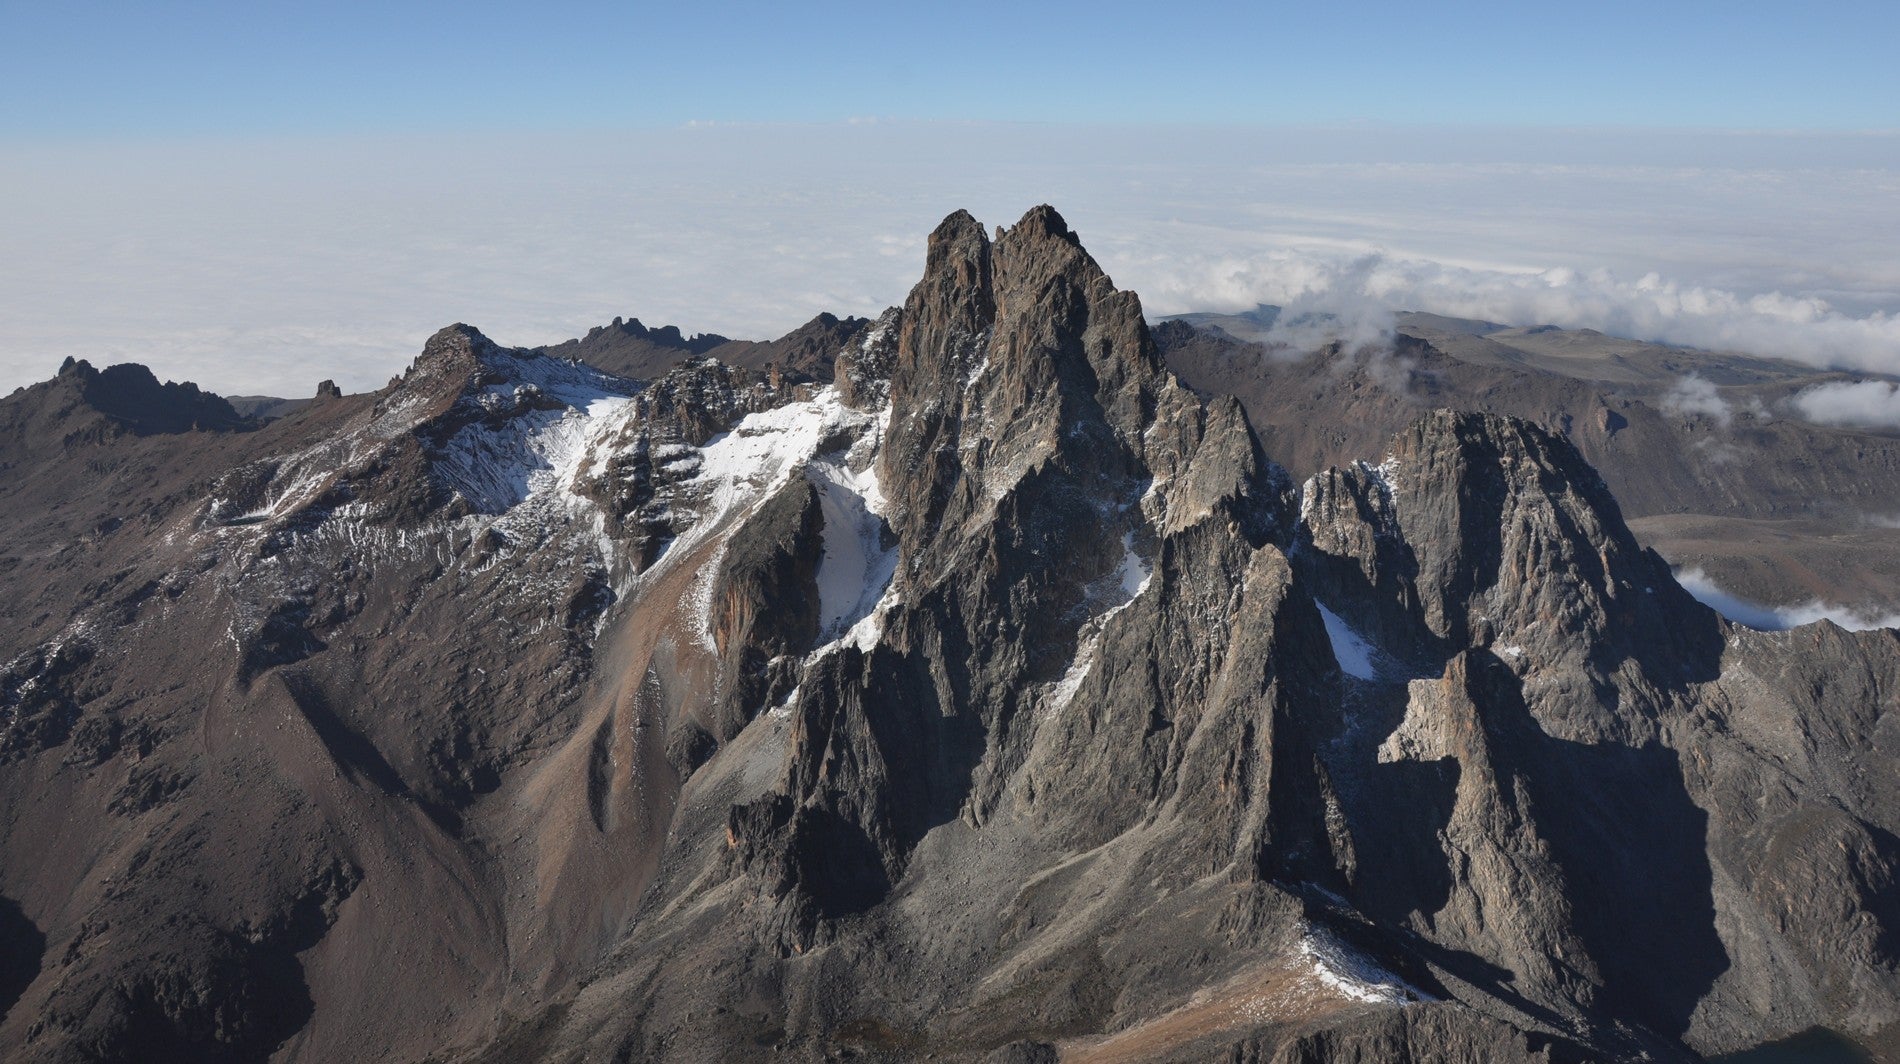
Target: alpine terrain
{"points": [[957, 685]]}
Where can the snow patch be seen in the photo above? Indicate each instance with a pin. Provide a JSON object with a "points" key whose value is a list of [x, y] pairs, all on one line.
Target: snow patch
{"points": [[1135, 570], [1357, 658], [783, 711], [542, 449], [869, 628], [741, 468], [1352, 975], [865, 632], [858, 564], [1385, 474]]}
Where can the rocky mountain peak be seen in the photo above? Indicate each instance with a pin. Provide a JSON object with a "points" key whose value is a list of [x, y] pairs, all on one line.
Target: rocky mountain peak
{"points": [[454, 348], [1036, 457], [462, 377], [1042, 222], [454, 362], [1490, 534], [131, 396], [1022, 355], [953, 304]]}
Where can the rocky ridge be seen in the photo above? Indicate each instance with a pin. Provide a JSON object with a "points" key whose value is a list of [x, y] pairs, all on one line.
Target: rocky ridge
{"points": [[1671, 430], [631, 349], [988, 695]]}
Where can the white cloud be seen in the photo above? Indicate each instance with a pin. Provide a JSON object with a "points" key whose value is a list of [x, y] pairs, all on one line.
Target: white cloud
{"points": [[1804, 329], [1859, 404], [1779, 618], [1692, 395], [267, 266]]}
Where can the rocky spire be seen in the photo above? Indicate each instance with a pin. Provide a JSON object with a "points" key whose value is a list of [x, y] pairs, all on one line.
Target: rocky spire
{"points": [[1490, 533], [1036, 458]]}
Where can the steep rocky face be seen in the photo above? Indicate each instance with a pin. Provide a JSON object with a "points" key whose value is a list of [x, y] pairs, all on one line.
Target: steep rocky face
{"points": [[1580, 839], [998, 701], [1026, 497], [1793, 529], [1483, 532]]}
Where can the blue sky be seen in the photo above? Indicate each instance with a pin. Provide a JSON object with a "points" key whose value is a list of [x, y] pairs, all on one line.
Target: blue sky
{"points": [[101, 69]]}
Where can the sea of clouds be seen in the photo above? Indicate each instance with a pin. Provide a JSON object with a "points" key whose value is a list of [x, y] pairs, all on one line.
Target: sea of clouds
{"points": [[264, 266]]}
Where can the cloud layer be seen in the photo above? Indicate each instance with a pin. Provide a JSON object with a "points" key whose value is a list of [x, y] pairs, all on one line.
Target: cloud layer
{"points": [[1780, 618], [263, 267]]}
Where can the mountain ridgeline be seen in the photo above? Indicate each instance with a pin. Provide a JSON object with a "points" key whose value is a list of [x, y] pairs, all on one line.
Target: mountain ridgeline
{"points": [[957, 684]]}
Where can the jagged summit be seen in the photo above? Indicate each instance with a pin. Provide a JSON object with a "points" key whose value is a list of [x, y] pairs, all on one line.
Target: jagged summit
{"points": [[982, 693], [1045, 221], [1794, 530], [131, 397], [665, 335], [1493, 531], [630, 349]]}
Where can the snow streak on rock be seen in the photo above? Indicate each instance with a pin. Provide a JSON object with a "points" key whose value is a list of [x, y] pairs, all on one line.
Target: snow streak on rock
{"points": [[1353, 975], [1130, 579], [1356, 657]]}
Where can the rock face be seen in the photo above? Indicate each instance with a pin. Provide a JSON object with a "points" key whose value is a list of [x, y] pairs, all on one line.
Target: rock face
{"points": [[1795, 528], [987, 695]]}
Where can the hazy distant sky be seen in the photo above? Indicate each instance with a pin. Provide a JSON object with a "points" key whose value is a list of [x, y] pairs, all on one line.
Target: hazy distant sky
{"points": [[258, 196], [91, 67]]}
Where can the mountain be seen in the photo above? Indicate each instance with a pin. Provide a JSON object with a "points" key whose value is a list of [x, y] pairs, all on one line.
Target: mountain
{"points": [[630, 349], [128, 398], [1698, 446], [989, 696]]}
